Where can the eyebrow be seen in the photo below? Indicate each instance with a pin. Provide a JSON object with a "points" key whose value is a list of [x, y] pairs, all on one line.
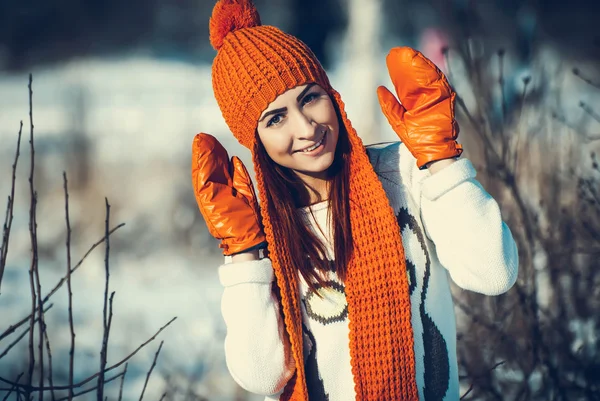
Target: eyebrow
{"points": [[276, 111]]}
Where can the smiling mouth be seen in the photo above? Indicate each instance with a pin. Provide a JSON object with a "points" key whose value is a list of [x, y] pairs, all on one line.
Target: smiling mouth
{"points": [[315, 146]]}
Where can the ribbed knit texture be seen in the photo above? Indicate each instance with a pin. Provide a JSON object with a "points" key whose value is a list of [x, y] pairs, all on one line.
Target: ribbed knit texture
{"points": [[245, 81], [253, 66]]}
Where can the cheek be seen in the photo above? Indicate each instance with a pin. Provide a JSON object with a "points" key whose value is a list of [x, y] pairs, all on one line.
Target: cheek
{"points": [[326, 114], [275, 147], [332, 119]]}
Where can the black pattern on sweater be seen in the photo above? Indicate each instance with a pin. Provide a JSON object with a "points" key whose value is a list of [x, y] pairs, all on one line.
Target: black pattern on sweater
{"points": [[436, 362], [314, 383]]}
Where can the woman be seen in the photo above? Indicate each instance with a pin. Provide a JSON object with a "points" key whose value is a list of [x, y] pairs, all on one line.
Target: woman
{"points": [[351, 298]]}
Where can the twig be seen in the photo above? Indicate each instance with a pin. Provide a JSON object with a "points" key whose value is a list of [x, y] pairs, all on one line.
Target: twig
{"points": [[92, 377], [89, 390], [501, 84], [485, 374], [41, 318], [15, 342], [491, 327], [163, 397], [150, 371], [122, 381], [110, 310], [461, 103], [9, 210], [589, 111], [445, 51], [20, 336], [505, 141], [526, 81], [479, 128], [577, 73], [15, 326], [591, 186], [578, 251], [34, 251], [106, 328], [563, 120], [459, 100], [485, 130], [14, 387], [110, 314], [48, 350], [64, 279], [69, 290]]}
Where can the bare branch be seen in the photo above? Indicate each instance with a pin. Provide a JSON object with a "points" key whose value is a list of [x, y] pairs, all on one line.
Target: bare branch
{"points": [[151, 368], [106, 328], [479, 128], [9, 209], [34, 250], [15, 342], [64, 279], [69, 289], [501, 84], [589, 111], [519, 133], [50, 378], [33, 236], [588, 81], [89, 390], [122, 381], [92, 377], [14, 387], [15, 326], [21, 335], [32, 320]]}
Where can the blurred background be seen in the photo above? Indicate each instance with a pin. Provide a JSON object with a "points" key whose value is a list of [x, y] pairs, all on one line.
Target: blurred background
{"points": [[120, 89]]}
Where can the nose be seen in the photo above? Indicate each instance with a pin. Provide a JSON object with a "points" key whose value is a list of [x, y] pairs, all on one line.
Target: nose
{"points": [[306, 127]]}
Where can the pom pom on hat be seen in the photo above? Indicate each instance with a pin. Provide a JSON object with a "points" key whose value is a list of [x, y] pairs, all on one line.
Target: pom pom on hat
{"points": [[229, 16]]}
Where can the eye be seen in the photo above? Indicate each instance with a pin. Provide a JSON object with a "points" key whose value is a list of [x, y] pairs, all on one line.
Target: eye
{"points": [[276, 119], [311, 97]]}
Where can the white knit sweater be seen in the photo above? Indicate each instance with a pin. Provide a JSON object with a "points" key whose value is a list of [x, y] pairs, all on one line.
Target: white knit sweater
{"points": [[451, 227]]}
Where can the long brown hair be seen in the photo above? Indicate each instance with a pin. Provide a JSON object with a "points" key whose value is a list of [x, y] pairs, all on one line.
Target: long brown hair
{"points": [[286, 193]]}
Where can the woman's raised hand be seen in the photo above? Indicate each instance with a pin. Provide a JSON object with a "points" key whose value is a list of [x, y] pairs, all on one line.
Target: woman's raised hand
{"points": [[424, 120], [225, 196]]}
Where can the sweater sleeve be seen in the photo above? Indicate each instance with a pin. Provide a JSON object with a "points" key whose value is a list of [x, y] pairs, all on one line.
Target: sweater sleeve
{"points": [[464, 222], [257, 351]]}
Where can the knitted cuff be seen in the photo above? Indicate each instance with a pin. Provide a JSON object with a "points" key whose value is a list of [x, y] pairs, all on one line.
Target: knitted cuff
{"points": [[255, 271], [448, 178]]}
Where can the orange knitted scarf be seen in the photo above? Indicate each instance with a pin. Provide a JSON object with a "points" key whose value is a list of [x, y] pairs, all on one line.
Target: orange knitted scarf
{"points": [[255, 64]]}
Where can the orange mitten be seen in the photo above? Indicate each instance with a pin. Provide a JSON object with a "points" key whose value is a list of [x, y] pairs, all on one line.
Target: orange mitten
{"points": [[225, 196], [425, 120]]}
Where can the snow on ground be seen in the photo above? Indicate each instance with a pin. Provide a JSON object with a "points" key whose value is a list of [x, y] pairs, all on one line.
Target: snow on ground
{"points": [[139, 117]]}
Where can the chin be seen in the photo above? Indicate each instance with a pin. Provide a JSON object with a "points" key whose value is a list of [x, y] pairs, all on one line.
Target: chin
{"points": [[319, 168]]}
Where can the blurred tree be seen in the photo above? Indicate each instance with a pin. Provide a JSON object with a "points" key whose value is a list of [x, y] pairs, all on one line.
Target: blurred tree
{"points": [[36, 31], [317, 21], [570, 26]]}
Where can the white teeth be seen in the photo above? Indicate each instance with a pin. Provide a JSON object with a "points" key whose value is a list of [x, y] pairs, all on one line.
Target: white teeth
{"points": [[316, 145]]}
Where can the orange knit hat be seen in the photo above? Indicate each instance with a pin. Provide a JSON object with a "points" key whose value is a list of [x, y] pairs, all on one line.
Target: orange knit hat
{"points": [[254, 65]]}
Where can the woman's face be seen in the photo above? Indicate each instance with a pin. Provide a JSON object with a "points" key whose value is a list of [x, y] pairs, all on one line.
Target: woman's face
{"points": [[299, 130]]}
